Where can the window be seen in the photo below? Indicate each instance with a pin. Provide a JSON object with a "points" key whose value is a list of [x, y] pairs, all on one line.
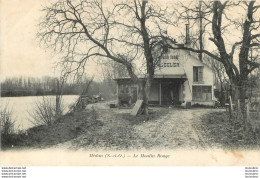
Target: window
{"points": [[201, 93], [197, 73]]}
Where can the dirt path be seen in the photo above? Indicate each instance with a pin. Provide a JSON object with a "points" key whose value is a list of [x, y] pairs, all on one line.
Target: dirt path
{"points": [[116, 132], [178, 128]]}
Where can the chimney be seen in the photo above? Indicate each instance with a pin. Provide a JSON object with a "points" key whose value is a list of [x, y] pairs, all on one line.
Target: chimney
{"points": [[187, 34]]}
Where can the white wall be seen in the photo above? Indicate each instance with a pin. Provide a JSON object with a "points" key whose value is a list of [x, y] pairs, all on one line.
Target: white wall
{"points": [[186, 65]]}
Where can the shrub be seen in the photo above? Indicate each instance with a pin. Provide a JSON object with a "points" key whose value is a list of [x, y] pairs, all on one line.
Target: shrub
{"points": [[45, 111], [6, 124]]}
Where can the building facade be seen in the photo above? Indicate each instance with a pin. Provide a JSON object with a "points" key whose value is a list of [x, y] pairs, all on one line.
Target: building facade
{"points": [[180, 79]]}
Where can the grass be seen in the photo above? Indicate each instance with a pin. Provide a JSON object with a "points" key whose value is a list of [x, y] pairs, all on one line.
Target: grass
{"points": [[86, 129], [222, 132], [108, 130], [62, 130], [118, 131]]}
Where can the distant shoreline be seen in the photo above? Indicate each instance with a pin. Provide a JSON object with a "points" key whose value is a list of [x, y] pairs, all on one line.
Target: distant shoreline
{"points": [[8, 96]]}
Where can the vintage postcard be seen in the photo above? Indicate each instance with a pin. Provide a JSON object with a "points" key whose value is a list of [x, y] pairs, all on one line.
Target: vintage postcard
{"points": [[129, 83]]}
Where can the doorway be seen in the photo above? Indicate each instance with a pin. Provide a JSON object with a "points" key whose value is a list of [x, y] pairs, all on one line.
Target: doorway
{"points": [[170, 93]]}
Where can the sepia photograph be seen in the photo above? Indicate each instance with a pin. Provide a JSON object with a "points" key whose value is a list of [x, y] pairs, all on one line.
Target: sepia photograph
{"points": [[129, 83]]}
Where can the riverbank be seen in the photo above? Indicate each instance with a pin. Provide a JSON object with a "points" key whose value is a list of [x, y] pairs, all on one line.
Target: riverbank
{"points": [[21, 107], [102, 128], [63, 129], [39, 95]]}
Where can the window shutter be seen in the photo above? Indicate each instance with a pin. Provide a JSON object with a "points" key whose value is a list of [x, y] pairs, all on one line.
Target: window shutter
{"points": [[194, 74], [200, 77]]}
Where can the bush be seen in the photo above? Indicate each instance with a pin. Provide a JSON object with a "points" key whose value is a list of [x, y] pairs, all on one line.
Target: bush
{"points": [[6, 124], [45, 111]]}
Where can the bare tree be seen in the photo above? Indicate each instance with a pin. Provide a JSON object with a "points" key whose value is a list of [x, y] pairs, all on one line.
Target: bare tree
{"points": [[122, 31], [224, 26], [196, 15]]}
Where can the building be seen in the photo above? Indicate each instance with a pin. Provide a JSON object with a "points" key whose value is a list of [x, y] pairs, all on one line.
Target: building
{"points": [[180, 79]]}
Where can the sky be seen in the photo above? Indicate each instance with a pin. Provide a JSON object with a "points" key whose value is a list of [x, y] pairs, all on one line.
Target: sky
{"points": [[20, 53]]}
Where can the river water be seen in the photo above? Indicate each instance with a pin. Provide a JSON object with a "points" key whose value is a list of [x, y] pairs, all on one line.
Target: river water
{"points": [[22, 106]]}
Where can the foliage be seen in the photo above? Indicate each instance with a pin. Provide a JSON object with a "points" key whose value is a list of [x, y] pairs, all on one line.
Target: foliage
{"points": [[29, 86]]}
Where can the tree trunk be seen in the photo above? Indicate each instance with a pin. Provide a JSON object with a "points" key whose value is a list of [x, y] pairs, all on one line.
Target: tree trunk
{"points": [[58, 110], [242, 95], [146, 93], [58, 101], [144, 87], [222, 95], [201, 32]]}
